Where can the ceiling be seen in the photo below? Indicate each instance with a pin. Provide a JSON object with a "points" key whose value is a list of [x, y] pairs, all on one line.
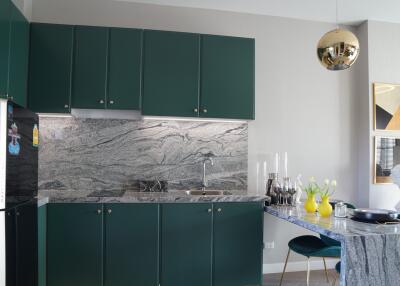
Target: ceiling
{"points": [[350, 11]]}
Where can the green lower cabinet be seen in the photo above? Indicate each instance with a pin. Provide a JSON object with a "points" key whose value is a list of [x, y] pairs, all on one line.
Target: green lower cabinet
{"points": [[238, 244], [19, 57], [186, 235], [131, 245], [74, 244], [42, 245], [172, 244], [5, 45], [50, 68], [227, 77]]}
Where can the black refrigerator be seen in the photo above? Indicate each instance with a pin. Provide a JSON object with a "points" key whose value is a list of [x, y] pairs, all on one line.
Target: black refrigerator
{"points": [[19, 139]]}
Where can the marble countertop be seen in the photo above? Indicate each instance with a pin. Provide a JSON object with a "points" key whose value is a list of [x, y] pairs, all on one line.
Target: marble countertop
{"points": [[71, 196], [336, 228]]}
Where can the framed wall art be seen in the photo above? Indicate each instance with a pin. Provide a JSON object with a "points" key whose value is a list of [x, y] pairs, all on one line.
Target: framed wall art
{"points": [[386, 106], [387, 159]]}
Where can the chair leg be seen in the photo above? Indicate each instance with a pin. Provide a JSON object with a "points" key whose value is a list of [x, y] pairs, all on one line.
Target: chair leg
{"points": [[284, 268], [308, 271], [326, 271], [334, 281]]}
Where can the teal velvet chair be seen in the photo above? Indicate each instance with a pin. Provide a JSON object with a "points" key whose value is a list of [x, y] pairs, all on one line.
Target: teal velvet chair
{"points": [[313, 246]]}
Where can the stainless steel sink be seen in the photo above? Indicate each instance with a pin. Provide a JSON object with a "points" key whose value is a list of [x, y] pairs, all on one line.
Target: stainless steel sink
{"points": [[207, 193]]}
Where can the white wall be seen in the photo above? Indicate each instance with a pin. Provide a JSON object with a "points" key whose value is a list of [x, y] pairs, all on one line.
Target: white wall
{"points": [[25, 6], [301, 108], [383, 66], [364, 113]]}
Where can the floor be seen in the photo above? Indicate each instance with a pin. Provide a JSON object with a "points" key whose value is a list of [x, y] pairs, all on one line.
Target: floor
{"points": [[317, 278]]}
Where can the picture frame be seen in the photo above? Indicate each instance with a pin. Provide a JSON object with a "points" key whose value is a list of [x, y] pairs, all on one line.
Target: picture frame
{"points": [[386, 106], [386, 158]]}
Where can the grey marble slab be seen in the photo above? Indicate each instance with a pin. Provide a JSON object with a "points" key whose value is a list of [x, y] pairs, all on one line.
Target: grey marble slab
{"points": [[57, 196], [113, 154], [370, 252]]}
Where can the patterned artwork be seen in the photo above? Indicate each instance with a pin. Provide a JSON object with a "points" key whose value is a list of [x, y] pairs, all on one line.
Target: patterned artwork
{"points": [[99, 154], [387, 106], [387, 160]]}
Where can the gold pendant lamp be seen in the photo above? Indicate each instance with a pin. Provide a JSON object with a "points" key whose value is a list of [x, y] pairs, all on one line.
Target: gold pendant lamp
{"points": [[338, 49]]}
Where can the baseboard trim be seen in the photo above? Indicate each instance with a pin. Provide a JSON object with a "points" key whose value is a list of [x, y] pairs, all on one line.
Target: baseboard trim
{"points": [[315, 264]]}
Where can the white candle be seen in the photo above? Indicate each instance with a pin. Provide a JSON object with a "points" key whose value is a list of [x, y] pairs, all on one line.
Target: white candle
{"points": [[286, 165], [277, 163]]}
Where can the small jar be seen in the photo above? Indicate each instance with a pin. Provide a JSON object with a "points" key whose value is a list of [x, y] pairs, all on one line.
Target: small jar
{"points": [[340, 210]]}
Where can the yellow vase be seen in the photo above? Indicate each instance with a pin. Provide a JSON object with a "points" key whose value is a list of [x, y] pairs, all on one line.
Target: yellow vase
{"points": [[325, 208], [311, 205]]}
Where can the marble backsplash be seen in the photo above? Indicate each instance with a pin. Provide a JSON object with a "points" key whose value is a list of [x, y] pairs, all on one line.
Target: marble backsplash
{"points": [[113, 154]]}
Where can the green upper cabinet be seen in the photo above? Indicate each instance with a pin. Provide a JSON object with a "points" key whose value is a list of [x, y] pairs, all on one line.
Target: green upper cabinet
{"points": [[50, 68], [124, 69], [227, 77], [89, 67], [19, 57], [5, 45], [186, 232], [131, 251], [170, 74], [74, 245], [238, 244]]}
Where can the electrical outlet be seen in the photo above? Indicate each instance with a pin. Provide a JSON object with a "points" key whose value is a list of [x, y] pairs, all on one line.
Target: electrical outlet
{"points": [[270, 244]]}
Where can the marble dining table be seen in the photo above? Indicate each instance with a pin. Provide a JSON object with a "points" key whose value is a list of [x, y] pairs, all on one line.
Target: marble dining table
{"points": [[370, 253]]}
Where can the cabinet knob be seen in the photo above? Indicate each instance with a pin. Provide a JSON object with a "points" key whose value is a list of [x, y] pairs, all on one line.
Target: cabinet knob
{"points": [[219, 210], [209, 210], [205, 110], [195, 110], [17, 213], [109, 211], [111, 101], [66, 106], [99, 211], [101, 101]]}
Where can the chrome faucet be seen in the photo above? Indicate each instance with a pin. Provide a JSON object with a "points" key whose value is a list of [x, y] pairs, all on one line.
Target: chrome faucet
{"points": [[204, 184]]}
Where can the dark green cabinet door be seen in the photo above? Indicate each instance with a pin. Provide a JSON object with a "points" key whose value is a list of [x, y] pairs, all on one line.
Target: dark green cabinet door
{"points": [[186, 244], [74, 245], [227, 77], [42, 245], [171, 74], [238, 244], [124, 69], [50, 68], [89, 67], [4, 46], [131, 250], [19, 56]]}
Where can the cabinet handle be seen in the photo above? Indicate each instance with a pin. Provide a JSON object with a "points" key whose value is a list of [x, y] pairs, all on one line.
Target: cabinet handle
{"points": [[205, 110], [66, 106], [111, 102], [209, 210], [99, 211], [219, 210], [109, 211], [101, 101], [195, 110]]}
